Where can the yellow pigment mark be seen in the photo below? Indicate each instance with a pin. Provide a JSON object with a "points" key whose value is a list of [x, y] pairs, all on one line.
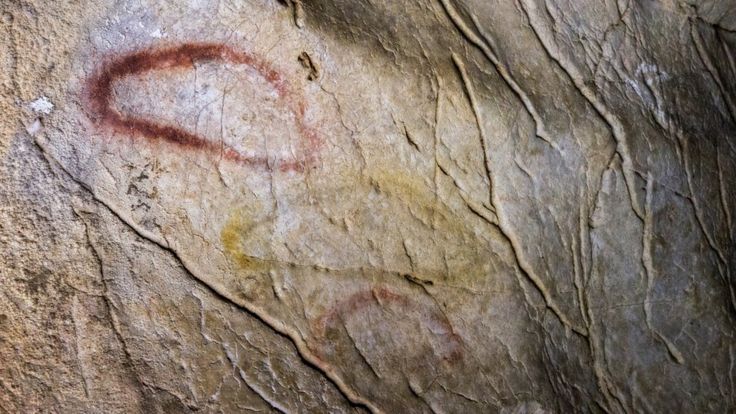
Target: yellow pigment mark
{"points": [[231, 236], [419, 198]]}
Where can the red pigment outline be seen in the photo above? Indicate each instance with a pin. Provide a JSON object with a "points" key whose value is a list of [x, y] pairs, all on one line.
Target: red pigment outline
{"points": [[377, 296], [98, 99]]}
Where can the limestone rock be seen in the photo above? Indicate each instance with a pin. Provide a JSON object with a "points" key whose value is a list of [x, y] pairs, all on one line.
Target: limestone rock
{"points": [[387, 206]]}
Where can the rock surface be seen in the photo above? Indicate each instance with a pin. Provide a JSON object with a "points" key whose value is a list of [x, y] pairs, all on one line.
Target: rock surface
{"points": [[447, 206]]}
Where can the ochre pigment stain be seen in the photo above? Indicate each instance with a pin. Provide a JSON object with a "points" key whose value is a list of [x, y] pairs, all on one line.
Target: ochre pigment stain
{"points": [[231, 238], [380, 296], [98, 99]]}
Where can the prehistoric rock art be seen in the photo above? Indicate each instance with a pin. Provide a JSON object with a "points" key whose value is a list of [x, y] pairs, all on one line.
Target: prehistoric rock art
{"points": [[356, 304], [99, 90], [389, 206]]}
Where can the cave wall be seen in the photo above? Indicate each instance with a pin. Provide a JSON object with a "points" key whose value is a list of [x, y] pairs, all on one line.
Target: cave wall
{"points": [[367, 206]]}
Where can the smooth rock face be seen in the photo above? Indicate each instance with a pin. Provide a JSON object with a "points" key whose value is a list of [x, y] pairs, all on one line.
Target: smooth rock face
{"points": [[447, 206]]}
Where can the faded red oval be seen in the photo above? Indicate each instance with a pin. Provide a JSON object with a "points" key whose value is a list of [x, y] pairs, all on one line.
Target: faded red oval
{"points": [[98, 97], [360, 301]]}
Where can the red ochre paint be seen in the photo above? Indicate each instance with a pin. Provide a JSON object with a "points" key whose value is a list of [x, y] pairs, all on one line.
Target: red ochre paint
{"points": [[378, 296], [98, 97]]}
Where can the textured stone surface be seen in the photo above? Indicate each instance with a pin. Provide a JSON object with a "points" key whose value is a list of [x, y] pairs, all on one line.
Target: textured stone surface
{"points": [[349, 206]]}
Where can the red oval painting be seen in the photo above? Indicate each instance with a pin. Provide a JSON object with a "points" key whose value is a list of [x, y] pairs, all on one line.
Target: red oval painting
{"points": [[98, 99]]}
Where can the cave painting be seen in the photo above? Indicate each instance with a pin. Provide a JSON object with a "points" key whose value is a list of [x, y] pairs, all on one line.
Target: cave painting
{"points": [[98, 98], [450, 343]]}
